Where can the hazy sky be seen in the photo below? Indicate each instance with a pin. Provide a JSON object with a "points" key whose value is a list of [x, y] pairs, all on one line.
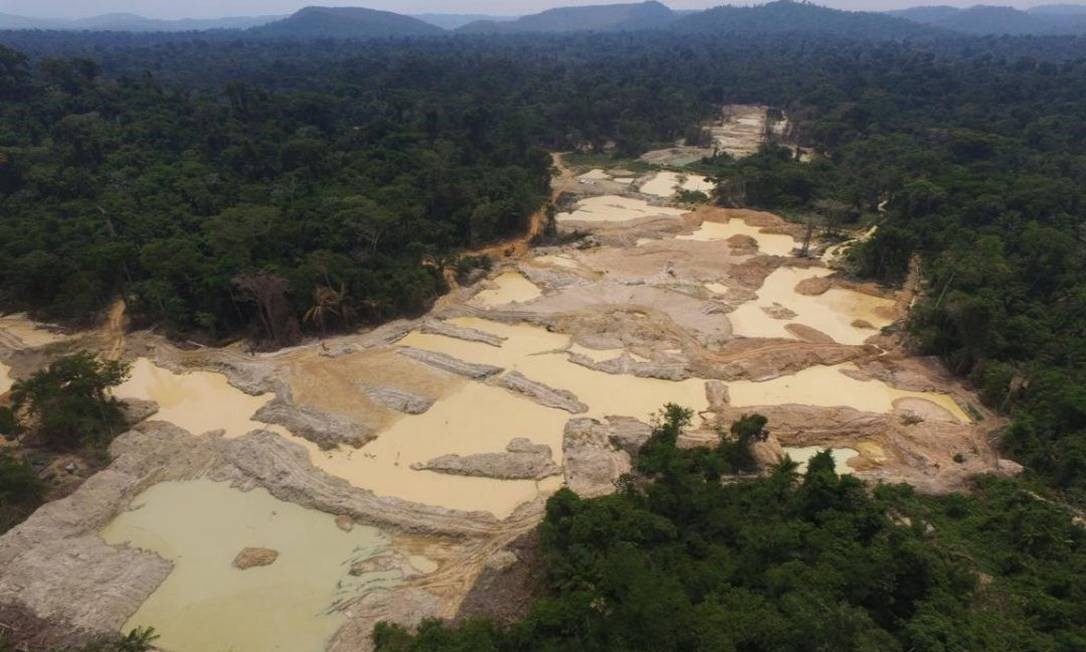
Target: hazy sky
{"points": [[219, 8]]}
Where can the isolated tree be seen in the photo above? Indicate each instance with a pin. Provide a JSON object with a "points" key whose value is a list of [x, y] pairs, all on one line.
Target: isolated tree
{"points": [[737, 449], [68, 404], [328, 303], [269, 293]]}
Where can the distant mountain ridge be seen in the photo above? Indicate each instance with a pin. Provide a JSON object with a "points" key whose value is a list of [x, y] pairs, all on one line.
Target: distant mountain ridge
{"points": [[133, 23], [982, 20], [618, 17], [1073, 10], [346, 22], [776, 17], [790, 17], [453, 21]]}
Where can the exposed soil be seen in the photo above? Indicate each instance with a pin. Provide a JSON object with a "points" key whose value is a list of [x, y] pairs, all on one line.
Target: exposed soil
{"points": [[506, 593], [449, 432]]}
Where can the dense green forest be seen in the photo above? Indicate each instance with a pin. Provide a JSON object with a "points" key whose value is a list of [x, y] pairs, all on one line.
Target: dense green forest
{"points": [[688, 562], [204, 211]]}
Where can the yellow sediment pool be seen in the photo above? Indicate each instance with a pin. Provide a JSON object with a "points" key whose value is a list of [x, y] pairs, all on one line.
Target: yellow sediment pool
{"points": [[773, 244], [539, 355], [666, 184], [828, 387], [197, 401], [476, 418], [462, 423], [613, 208], [832, 312], [803, 454], [512, 287], [208, 604]]}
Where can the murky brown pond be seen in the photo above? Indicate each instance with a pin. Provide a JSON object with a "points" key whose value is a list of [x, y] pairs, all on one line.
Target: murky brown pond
{"points": [[613, 208], [802, 454], [511, 287], [208, 604], [828, 387], [666, 184], [832, 312], [197, 401], [773, 244]]}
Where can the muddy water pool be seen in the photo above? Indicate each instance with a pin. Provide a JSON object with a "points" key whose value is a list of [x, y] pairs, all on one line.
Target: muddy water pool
{"points": [[828, 387], [208, 604], [197, 401], [832, 312], [802, 454], [613, 208], [773, 244]]}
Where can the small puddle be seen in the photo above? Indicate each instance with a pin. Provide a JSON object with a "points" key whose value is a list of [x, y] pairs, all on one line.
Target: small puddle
{"points": [[803, 454], [772, 244], [613, 208], [207, 604], [197, 401], [832, 312], [827, 387], [512, 288], [666, 184]]}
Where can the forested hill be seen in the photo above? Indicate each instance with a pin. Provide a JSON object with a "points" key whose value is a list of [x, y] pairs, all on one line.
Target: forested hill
{"points": [[990, 20], [345, 22], [615, 17], [778, 17], [789, 17]]}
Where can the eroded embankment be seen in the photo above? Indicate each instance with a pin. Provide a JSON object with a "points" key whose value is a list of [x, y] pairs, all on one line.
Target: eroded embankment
{"points": [[446, 434]]}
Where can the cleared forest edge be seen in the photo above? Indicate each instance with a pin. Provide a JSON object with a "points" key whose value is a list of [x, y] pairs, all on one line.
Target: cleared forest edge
{"points": [[630, 314]]}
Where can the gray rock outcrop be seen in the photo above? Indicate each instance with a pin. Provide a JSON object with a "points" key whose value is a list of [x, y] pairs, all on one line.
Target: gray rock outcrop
{"points": [[592, 462], [438, 327], [522, 460], [542, 394], [135, 410], [450, 364], [628, 433], [397, 399], [323, 429]]}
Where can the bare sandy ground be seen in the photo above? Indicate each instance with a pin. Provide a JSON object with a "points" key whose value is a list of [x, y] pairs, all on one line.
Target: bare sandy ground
{"points": [[446, 434]]}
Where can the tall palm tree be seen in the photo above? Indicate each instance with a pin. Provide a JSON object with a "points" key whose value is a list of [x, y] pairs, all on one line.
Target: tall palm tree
{"points": [[328, 303]]}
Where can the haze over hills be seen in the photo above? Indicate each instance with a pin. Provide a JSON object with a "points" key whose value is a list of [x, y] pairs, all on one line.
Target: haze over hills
{"points": [[644, 15], [1059, 9], [133, 23], [998, 20], [777, 17]]}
